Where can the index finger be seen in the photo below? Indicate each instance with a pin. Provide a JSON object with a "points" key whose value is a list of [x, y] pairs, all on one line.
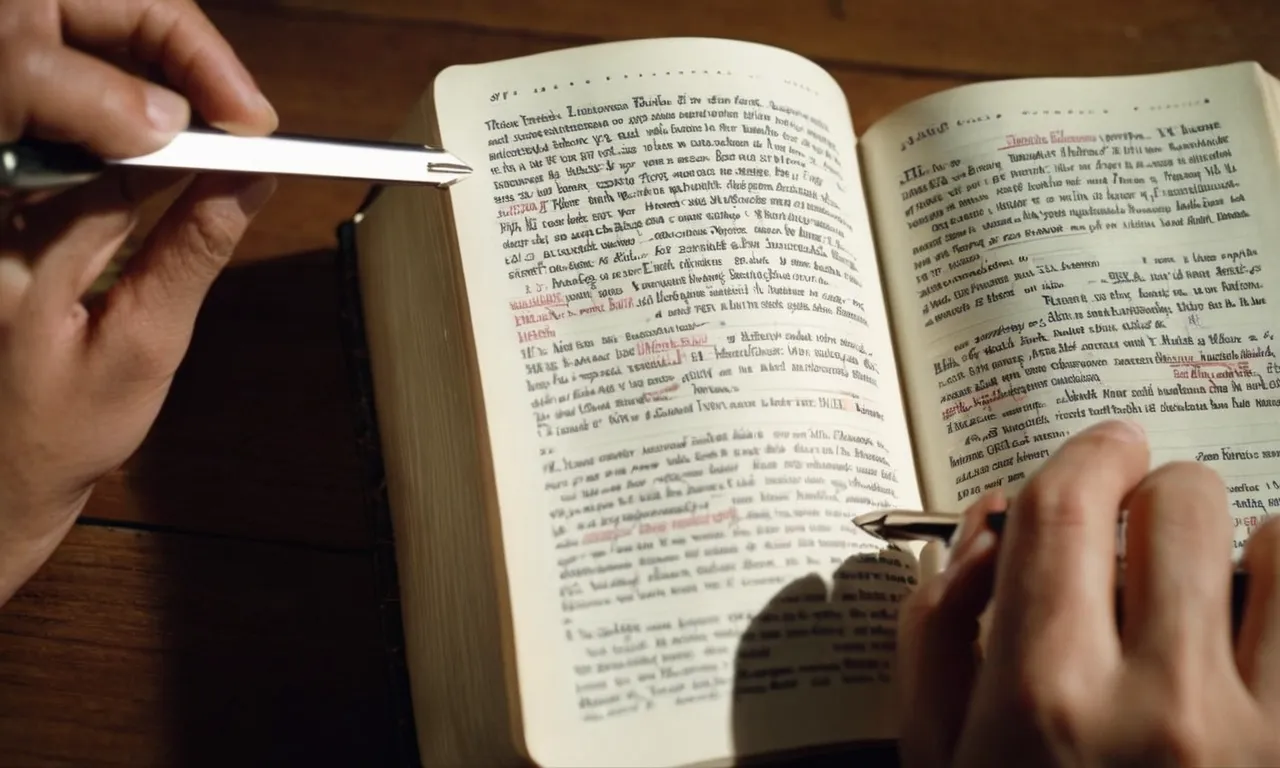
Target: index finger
{"points": [[1055, 590], [180, 39]]}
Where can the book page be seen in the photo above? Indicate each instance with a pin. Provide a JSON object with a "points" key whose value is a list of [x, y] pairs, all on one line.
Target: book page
{"points": [[690, 390], [1066, 251]]}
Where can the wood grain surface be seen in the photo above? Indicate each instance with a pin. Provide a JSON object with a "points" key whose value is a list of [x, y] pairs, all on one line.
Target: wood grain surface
{"points": [[218, 604]]}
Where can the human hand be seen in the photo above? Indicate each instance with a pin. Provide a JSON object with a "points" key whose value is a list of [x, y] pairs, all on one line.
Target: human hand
{"points": [[81, 382], [1060, 682]]}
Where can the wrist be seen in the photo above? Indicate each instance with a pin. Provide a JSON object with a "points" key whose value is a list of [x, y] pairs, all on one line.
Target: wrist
{"points": [[30, 532]]}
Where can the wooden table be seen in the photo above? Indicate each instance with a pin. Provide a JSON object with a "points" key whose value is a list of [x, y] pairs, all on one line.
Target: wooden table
{"points": [[218, 604]]}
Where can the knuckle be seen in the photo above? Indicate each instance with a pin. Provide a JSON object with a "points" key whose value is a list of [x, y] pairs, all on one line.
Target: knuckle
{"points": [[211, 237], [1178, 734], [27, 19], [145, 363], [156, 27], [1053, 503], [148, 358], [19, 61], [1190, 491], [143, 352], [1053, 700], [156, 18]]}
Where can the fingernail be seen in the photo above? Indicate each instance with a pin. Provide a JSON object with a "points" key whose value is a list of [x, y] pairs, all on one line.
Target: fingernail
{"points": [[253, 197], [267, 107], [1127, 430], [167, 111], [256, 128]]}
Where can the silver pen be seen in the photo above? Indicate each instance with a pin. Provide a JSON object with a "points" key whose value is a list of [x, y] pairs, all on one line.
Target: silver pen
{"points": [[30, 164], [912, 525], [905, 524]]}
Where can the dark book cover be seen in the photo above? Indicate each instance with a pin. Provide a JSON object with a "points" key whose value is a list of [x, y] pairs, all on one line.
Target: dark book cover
{"points": [[368, 443]]}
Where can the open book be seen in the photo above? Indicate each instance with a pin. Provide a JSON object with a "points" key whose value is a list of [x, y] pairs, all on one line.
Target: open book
{"points": [[635, 376]]}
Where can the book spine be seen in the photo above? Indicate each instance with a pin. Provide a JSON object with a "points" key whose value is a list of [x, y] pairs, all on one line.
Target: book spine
{"points": [[377, 506]]}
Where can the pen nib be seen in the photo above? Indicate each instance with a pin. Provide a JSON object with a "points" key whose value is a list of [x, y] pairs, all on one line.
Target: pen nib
{"points": [[868, 519], [870, 522]]}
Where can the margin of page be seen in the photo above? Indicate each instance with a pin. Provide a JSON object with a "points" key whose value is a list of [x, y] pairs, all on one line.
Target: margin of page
{"points": [[549, 727], [880, 143]]}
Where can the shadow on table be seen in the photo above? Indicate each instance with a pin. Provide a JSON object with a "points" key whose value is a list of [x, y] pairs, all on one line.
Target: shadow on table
{"points": [[815, 659], [273, 640]]}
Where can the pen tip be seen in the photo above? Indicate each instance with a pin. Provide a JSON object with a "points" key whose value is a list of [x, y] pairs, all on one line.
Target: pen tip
{"points": [[869, 518]]}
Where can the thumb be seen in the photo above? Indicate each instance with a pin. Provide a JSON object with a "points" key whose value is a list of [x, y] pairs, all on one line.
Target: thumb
{"points": [[938, 636], [60, 94]]}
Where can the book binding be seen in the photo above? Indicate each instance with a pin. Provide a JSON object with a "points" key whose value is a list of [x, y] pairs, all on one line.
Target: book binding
{"points": [[377, 506]]}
